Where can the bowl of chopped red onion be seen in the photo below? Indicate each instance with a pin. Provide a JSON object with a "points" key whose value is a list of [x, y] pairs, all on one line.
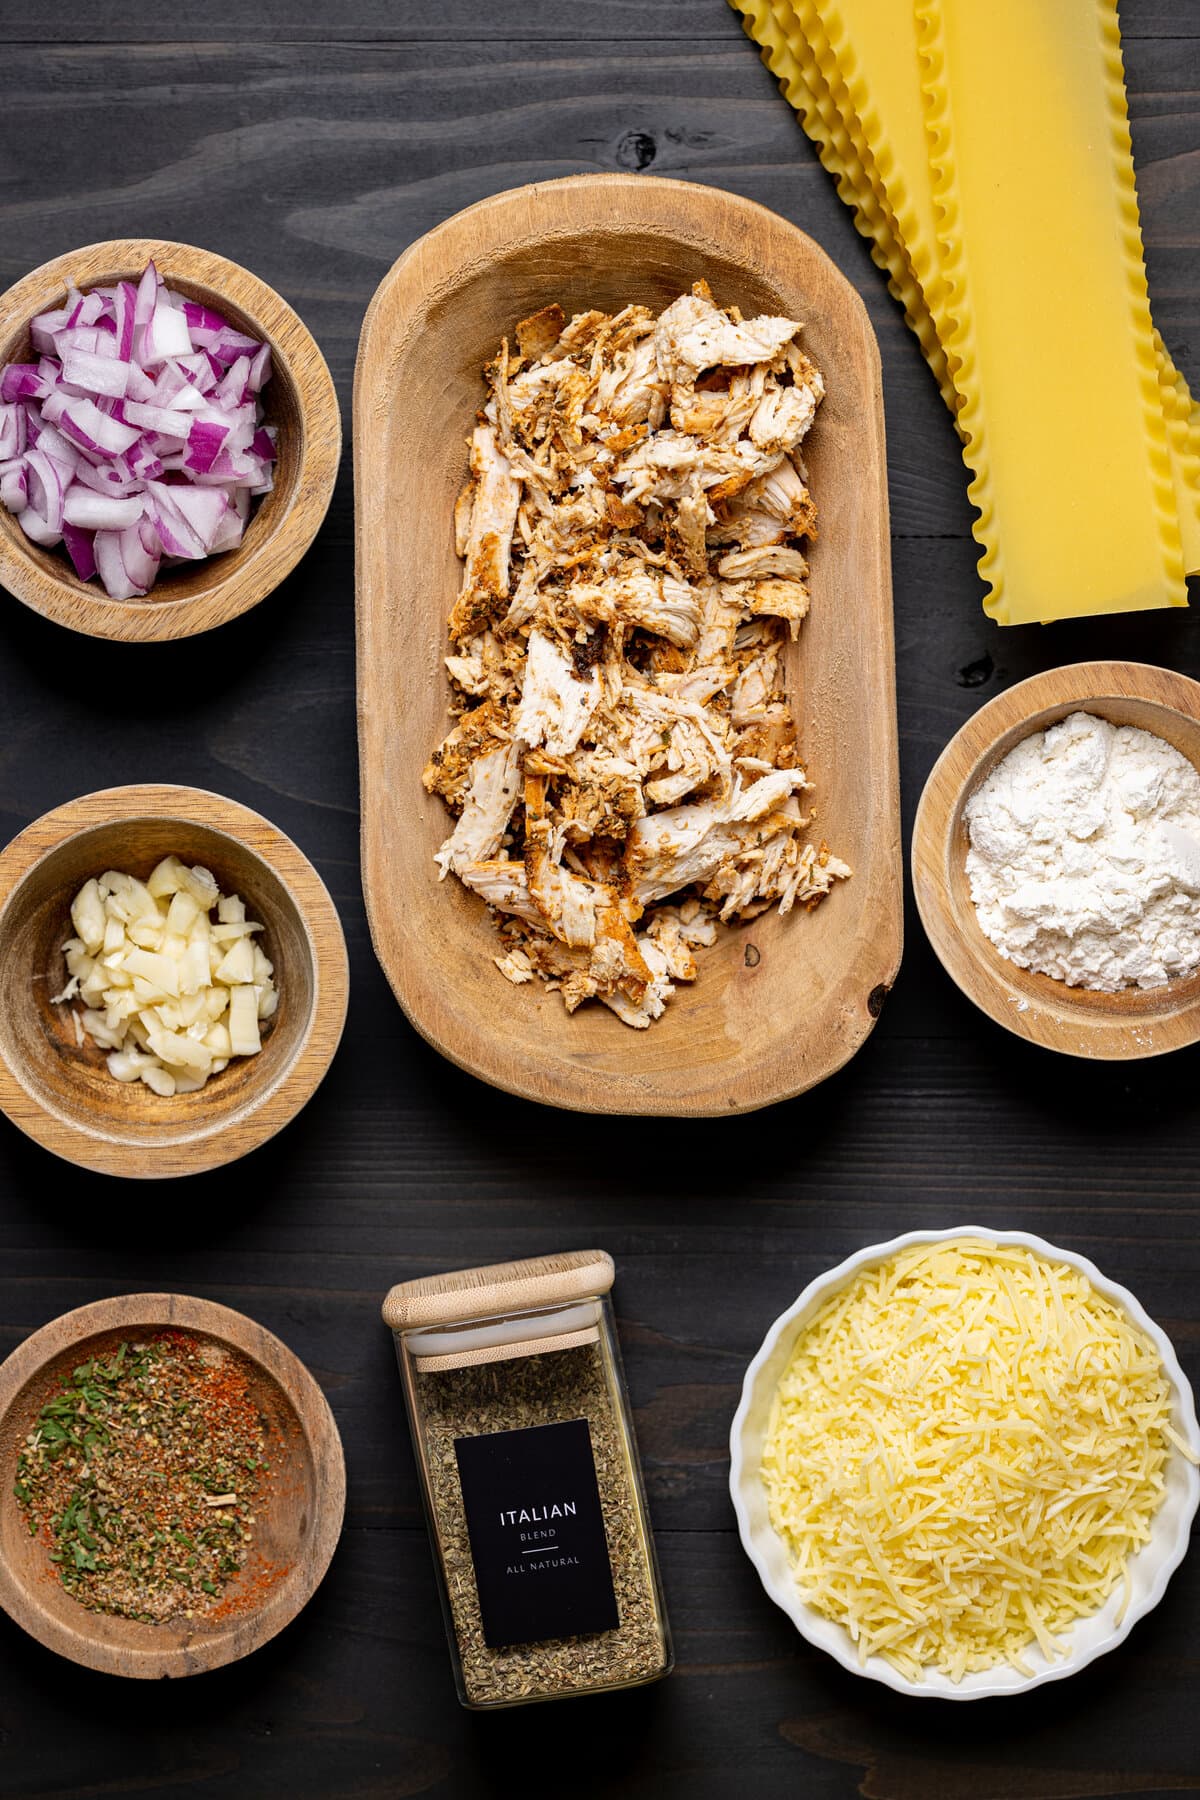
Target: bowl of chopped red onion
{"points": [[169, 439]]}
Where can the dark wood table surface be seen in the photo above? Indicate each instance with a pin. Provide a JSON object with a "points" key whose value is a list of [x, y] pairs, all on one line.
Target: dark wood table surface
{"points": [[313, 143]]}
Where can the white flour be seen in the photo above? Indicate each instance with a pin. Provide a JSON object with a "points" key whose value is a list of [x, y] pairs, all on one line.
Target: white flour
{"points": [[1078, 867]]}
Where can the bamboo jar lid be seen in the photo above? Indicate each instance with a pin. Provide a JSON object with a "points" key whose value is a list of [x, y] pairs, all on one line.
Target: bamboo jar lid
{"points": [[512, 1287]]}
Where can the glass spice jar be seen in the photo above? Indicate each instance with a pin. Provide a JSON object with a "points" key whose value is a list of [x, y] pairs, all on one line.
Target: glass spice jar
{"points": [[530, 1477]]}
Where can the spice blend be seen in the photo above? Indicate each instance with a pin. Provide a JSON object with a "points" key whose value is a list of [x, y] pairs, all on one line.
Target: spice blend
{"points": [[143, 1473], [523, 1392]]}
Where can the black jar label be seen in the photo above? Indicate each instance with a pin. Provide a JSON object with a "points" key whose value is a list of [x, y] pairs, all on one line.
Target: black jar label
{"points": [[537, 1533]]}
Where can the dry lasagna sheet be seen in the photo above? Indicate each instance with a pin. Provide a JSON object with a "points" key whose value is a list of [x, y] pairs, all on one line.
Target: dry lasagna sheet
{"points": [[623, 760]]}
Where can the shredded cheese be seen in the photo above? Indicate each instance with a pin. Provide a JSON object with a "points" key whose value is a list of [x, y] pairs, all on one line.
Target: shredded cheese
{"points": [[968, 1444]]}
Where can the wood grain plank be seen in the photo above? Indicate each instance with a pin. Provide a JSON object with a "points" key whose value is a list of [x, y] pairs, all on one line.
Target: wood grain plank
{"points": [[381, 21], [307, 145], [384, 22], [352, 1701], [348, 155]]}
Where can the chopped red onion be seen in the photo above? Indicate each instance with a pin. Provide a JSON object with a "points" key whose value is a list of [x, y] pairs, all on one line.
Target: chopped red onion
{"points": [[101, 512], [106, 546], [19, 380], [158, 419], [80, 551], [35, 527], [124, 312], [89, 372], [47, 483], [97, 433], [14, 486], [12, 432], [204, 444], [138, 433], [141, 565]]}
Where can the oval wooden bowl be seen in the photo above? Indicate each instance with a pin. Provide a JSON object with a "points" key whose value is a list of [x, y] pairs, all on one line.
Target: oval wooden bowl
{"points": [[60, 1092], [781, 1003], [299, 1519], [1078, 1021], [299, 399]]}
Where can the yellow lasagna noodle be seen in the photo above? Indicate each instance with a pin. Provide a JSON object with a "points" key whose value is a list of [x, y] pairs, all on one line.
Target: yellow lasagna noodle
{"points": [[851, 70], [1062, 413], [789, 39]]}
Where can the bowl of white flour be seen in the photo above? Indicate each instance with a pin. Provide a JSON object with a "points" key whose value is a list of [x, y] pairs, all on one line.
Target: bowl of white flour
{"points": [[1056, 859]]}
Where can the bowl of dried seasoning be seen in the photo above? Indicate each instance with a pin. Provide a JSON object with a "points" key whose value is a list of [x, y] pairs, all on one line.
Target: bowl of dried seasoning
{"points": [[173, 1489]]}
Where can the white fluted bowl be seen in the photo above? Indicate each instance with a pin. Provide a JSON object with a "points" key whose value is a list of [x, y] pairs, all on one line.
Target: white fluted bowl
{"points": [[1149, 1570]]}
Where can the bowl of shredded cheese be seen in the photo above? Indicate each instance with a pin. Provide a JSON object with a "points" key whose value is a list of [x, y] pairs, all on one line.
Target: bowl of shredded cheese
{"points": [[965, 1463]]}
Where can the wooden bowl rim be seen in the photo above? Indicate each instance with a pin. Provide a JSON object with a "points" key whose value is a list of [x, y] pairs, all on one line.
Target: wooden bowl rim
{"points": [[83, 606], [510, 202], [540, 213], [1128, 1026], [316, 1422], [99, 1148]]}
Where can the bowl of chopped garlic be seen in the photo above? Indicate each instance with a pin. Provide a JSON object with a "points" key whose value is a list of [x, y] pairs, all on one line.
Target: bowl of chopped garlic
{"points": [[965, 1463], [1056, 860], [173, 980]]}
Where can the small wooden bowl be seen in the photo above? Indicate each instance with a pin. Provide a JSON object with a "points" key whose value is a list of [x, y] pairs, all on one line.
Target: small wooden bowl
{"points": [[1078, 1021], [299, 1518], [299, 399], [59, 1091]]}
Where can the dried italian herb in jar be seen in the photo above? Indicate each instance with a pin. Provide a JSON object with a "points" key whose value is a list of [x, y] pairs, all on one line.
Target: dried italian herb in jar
{"points": [[531, 1482]]}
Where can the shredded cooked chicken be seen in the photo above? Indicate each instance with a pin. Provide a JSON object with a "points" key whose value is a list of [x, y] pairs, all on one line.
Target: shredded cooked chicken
{"points": [[623, 763]]}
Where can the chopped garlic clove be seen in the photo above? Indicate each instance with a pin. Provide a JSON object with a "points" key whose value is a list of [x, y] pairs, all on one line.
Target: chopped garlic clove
{"points": [[171, 993], [167, 878], [236, 968], [188, 1083], [157, 1079], [179, 1051], [243, 1022], [97, 1027], [125, 1065], [193, 968], [88, 916], [159, 971], [201, 885], [182, 914]]}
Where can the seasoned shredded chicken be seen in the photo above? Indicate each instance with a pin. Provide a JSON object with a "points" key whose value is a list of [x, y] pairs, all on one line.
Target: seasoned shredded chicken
{"points": [[623, 761]]}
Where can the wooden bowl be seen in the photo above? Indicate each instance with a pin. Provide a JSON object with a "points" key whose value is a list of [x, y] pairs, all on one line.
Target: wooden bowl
{"points": [[299, 1519], [781, 1003], [60, 1092], [299, 399], [1134, 1023]]}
